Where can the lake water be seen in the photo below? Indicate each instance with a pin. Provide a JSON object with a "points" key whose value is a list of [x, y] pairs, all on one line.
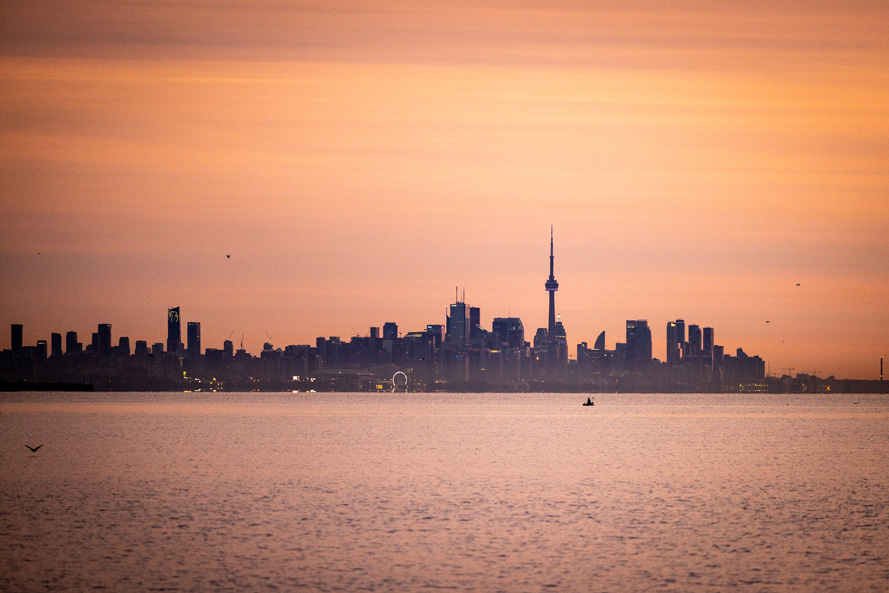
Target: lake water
{"points": [[420, 492]]}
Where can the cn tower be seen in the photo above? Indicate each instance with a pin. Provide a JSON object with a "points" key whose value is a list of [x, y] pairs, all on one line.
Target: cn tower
{"points": [[551, 287]]}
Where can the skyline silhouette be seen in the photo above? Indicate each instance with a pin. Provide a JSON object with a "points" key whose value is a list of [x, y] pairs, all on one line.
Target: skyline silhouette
{"points": [[311, 171]]}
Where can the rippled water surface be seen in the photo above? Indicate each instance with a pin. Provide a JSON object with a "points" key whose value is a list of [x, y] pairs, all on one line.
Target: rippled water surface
{"points": [[351, 492]]}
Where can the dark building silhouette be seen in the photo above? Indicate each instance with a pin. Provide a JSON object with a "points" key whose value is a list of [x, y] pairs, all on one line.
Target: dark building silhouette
{"points": [[104, 343], [458, 329], [194, 339], [123, 347], [174, 330], [72, 346], [228, 349], [141, 350], [638, 344], [475, 321], [17, 331], [673, 348], [695, 342], [56, 344], [510, 331], [390, 331]]}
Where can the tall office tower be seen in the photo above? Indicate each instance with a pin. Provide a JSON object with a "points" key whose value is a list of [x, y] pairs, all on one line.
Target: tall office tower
{"points": [[141, 350], [434, 330], [475, 321], [123, 347], [16, 331], [638, 343], [194, 339], [390, 330], [56, 344], [695, 344], [174, 330], [673, 345], [708, 343], [458, 324], [104, 339], [680, 336], [228, 349], [551, 287], [510, 331], [374, 333], [71, 343], [40, 351]]}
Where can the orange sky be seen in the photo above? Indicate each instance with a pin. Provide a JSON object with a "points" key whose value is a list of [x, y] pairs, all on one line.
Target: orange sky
{"points": [[361, 159]]}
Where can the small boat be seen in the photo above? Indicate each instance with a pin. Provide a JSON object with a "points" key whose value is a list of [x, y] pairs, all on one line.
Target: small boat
{"points": [[589, 402]]}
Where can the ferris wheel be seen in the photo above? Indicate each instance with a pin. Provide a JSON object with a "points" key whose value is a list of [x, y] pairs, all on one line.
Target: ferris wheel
{"points": [[399, 382]]}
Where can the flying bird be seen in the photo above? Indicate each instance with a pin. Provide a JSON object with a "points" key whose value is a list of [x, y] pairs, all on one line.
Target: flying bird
{"points": [[33, 449], [797, 283], [228, 256], [767, 321]]}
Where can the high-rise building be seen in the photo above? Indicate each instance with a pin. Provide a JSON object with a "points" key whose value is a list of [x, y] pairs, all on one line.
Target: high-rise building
{"points": [[475, 321], [695, 341], [390, 330], [458, 329], [638, 343], [56, 345], [123, 347], [71, 344], [374, 333], [174, 330], [708, 343], [16, 330], [674, 347], [510, 331], [228, 349], [104, 344], [40, 350], [680, 337], [194, 339], [141, 350]]}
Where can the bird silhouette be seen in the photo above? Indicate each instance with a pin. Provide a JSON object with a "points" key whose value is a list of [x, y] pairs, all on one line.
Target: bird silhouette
{"points": [[33, 449], [797, 283], [228, 255]]}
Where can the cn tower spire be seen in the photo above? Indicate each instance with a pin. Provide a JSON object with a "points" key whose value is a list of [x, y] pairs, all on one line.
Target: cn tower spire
{"points": [[551, 287]]}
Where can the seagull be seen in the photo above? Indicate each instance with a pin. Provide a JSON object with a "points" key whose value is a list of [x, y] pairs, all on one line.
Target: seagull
{"points": [[229, 255], [33, 449], [767, 321], [797, 283]]}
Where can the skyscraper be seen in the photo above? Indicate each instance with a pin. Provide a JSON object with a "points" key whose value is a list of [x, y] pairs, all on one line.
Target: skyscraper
{"points": [[16, 330], [194, 339], [674, 348], [56, 345], [510, 331], [457, 325], [174, 330], [71, 344], [638, 343], [104, 343]]}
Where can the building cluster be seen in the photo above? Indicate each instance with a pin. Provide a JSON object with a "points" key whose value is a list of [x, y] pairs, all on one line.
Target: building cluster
{"points": [[457, 355]]}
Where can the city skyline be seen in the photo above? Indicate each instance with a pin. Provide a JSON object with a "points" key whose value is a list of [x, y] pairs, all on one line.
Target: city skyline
{"points": [[305, 172]]}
